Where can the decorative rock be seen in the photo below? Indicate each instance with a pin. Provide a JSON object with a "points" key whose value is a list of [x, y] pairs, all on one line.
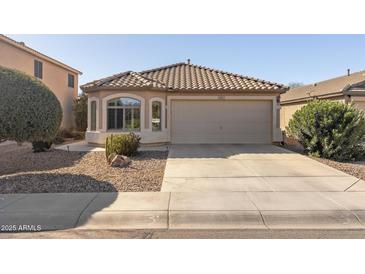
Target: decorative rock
{"points": [[127, 160], [111, 157], [120, 161]]}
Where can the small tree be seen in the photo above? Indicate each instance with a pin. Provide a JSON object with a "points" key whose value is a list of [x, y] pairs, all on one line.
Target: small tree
{"points": [[29, 111], [295, 84], [80, 112], [329, 129]]}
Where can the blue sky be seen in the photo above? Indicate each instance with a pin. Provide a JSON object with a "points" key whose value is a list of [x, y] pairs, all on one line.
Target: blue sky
{"points": [[279, 58]]}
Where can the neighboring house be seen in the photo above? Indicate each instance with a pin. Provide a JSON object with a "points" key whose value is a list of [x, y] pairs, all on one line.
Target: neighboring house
{"points": [[347, 89], [60, 78], [184, 103]]}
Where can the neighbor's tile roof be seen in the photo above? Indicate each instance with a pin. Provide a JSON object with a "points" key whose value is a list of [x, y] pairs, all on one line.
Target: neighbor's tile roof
{"points": [[184, 77], [332, 87]]}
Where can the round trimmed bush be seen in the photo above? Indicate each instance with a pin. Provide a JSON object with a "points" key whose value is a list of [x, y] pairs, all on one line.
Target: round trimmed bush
{"points": [[29, 111], [329, 129]]}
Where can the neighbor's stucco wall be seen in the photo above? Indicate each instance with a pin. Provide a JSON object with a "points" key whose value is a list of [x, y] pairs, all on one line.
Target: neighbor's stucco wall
{"points": [[54, 76], [360, 105], [287, 111], [358, 102]]}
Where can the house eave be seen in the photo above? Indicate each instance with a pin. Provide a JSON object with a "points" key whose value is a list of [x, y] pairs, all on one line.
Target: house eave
{"points": [[305, 99], [190, 91], [355, 92]]}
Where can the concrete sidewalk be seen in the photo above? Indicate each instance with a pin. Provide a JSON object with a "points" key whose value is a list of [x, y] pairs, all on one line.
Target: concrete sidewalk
{"points": [[184, 210]]}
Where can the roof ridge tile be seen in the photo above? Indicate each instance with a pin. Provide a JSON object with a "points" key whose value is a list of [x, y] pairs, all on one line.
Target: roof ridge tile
{"points": [[138, 74], [235, 74], [161, 68], [185, 77]]}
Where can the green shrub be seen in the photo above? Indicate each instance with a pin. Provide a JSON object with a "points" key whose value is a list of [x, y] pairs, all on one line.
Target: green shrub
{"points": [[29, 111], [80, 112], [329, 129], [108, 146], [78, 135], [123, 144], [65, 133], [58, 140], [41, 146]]}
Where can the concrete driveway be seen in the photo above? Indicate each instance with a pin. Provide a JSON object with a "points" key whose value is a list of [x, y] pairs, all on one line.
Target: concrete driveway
{"points": [[208, 168]]}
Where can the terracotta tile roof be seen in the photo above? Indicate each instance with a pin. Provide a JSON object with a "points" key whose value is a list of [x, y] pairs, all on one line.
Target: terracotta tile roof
{"points": [[128, 79], [328, 88], [22, 46], [184, 77]]}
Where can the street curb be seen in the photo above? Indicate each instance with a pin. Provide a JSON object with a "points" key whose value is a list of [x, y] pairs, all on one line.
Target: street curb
{"points": [[174, 211]]}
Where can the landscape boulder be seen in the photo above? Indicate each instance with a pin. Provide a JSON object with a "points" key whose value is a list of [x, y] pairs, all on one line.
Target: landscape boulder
{"points": [[120, 161]]}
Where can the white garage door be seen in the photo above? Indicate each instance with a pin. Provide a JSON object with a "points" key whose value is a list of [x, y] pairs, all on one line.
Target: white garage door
{"points": [[221, 122]]}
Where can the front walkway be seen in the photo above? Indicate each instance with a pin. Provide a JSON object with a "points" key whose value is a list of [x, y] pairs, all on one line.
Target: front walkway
{"points": [[253, 168], [83, 146]]}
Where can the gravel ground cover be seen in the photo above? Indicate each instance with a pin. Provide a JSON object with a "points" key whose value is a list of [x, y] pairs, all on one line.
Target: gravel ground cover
{"points": [[22, 171], [356, 169]]}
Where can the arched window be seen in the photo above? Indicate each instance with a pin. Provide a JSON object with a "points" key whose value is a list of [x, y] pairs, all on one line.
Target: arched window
{"points": [[156, 116], [124, 114]]}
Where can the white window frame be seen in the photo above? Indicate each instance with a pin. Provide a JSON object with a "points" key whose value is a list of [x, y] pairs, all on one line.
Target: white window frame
{"points": [[163, 111], [36, 70], [105, 101], [89, 100], [70, 76], [124, 108]]}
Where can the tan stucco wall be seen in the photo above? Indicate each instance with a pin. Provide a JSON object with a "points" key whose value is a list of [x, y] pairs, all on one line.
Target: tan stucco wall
{"points": [[54, 76], [360, 105], [148, 95], [287, 111]]}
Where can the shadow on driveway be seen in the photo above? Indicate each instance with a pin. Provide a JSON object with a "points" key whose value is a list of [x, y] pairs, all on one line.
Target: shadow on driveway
{"points": [[223, 151]]}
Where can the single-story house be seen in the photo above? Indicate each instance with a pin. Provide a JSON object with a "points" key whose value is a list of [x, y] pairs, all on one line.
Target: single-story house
{"points": [[347, 89], [184, 103]]}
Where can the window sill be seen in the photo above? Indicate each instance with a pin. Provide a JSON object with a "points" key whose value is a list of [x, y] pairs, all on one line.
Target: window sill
{"points": [[122, 131]]}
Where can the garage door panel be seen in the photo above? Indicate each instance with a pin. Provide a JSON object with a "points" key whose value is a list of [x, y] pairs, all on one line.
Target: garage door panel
{"points": [[221, 121]]}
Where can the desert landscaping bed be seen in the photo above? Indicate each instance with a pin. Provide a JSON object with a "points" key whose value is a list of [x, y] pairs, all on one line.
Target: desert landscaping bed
{"points": [[22, 171], [356, 169]]}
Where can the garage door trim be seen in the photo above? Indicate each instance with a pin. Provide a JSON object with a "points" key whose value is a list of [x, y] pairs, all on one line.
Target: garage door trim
{"points": [[223, 98]]}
